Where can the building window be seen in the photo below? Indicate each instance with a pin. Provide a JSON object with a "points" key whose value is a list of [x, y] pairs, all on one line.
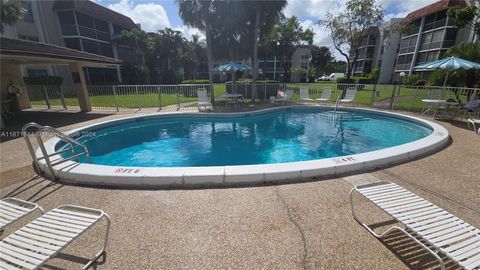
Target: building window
{"points": [[432, 40], [408, 44], [72, 43], [28, 16], [27, 37], [84, 20], [36, 72], [435, 20], [450, 38]]}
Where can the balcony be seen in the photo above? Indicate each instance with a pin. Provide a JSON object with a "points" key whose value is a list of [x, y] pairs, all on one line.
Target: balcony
{"points": [[71, 30], [402, 67]]}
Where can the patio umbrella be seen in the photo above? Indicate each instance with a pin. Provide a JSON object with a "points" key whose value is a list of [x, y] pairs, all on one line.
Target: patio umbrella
{"points": [[449, 63], [232, 67]]}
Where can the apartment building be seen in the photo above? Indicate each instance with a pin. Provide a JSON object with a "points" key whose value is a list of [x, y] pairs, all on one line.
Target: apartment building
{"points": [[385, 56], [366, 56], [76, 24], [428, 34]]}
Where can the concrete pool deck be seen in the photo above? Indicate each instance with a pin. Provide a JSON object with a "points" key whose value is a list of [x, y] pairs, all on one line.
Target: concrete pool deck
{"points": [[303, 225]]}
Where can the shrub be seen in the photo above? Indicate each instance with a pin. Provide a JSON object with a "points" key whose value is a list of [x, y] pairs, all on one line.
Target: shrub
{"points": [[43, 80], [345, 80], [363, 80], [421, 82], [411, 80], [195, 82]]}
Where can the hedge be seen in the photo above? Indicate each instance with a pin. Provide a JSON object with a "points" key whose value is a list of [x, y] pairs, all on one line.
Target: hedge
{"points": [[195, 82]]}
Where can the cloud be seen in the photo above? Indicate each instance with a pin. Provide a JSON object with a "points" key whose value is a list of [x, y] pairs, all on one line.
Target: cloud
{"points": [[187, 32], [152, 16], [315, 9]]}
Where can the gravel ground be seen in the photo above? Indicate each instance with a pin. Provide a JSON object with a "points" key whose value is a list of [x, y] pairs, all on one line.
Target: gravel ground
{"points": [[292, 226]]}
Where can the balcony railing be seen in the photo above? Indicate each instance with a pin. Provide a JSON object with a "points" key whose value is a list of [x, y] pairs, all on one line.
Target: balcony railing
{"points": [[71, 30], [402, 67]]}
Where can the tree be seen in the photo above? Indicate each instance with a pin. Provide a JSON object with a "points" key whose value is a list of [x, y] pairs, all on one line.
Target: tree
{"points": [[266, 13], [321, 56], [199, 14], [286, 36], [471, 52], [11, 11], [466, 16], [350, 26]]}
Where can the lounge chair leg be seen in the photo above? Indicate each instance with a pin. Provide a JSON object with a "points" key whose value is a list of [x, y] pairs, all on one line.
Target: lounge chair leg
{"points": [[382, 235], [105, 243]]}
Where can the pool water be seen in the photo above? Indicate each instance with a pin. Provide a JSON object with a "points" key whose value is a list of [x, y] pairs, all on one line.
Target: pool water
{"points": [[272, 137]]}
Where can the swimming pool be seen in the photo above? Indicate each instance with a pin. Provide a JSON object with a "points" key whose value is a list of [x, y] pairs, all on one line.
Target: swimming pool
{"points": [[272, 144]]}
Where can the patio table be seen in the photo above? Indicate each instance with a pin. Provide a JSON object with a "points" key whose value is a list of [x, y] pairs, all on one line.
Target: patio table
{"points": [[440, 106], [233, 98]]}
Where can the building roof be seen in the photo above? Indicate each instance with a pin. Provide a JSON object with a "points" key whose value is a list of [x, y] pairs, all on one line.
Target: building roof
{"points": [[95, 10], [432, 8], [23, 48]]}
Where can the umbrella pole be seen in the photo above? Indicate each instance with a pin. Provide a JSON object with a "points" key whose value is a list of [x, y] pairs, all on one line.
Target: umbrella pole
{"points": [[446, 78]]}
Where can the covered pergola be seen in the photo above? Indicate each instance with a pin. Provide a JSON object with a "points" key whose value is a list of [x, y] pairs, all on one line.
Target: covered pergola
{"points": [[16, 52]]}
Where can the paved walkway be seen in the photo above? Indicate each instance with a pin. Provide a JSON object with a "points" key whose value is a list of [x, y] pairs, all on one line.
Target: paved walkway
{"points": [[295, 226]]}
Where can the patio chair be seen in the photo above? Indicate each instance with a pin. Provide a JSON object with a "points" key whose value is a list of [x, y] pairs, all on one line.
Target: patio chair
{"points": [[431, 227], [326, 95], [474, 122], [40, 240], [203, 100], [349, 96], [13, 209], [304, 95], [288, 95]]}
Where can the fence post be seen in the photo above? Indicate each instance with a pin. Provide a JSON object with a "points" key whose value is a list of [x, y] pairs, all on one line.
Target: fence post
{"points": [[62, 97], [136, 95], [159, 98], [392, 98], [45, 94], [115, 97], [372, 99], [415, 99], [178, 97]]}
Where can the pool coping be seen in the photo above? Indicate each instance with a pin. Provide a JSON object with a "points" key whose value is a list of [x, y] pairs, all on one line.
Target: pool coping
{"points": [[123, 176]]}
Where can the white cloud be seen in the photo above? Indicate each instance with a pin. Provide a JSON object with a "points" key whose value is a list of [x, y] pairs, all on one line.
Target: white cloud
{"points": [[189, 31], [312, 8], [150, 15]]}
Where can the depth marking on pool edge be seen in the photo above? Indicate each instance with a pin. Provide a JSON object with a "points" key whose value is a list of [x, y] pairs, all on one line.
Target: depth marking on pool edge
{"points": [[127, 171], [343, 160]]}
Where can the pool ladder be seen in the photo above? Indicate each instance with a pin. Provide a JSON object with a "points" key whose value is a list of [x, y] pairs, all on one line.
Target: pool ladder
{"points": [[38, 131], [336, 106]]}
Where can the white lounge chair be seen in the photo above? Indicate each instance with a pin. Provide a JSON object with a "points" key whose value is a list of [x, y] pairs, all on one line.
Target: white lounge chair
{"points": [[37, 242], [203, 100], [442, 231], [287, 97], [326, 95], [13, 209], [304, 95], [474, 122], [349, 95]]}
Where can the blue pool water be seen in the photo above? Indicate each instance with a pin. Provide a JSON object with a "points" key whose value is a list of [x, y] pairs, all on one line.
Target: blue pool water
{"points": [[273, 137]]}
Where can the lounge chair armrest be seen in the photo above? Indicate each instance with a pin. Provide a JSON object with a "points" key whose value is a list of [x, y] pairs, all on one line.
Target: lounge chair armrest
{"points": [[23, 203]]}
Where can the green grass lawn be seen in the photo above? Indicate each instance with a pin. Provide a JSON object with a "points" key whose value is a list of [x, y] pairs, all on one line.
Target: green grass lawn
{"points": [[405, 98]]}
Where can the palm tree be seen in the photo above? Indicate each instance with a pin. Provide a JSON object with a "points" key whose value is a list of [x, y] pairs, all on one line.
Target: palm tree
{"points": [[199, 14], [11, 11], [266, 13], [471, 52]]}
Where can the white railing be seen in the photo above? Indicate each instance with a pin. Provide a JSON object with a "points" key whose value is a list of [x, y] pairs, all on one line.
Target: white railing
{"points": [[52, 96], [176, 97], [145, 96]]}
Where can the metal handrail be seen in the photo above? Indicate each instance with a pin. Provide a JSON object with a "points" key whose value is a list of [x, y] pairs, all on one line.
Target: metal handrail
{"points": [[38, 132], [67, 138]]}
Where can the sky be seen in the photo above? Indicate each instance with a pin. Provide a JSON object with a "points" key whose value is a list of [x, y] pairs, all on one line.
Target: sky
{"points": [[154, 15]]}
